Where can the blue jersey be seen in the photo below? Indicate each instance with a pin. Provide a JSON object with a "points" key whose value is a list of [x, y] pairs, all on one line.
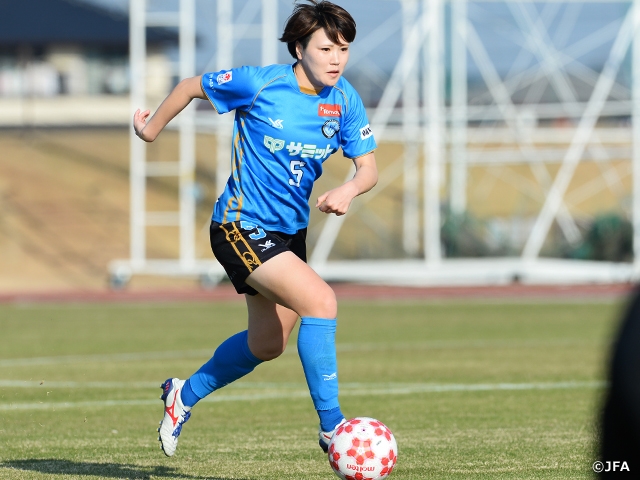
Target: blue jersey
{"points": [[281, 137]]}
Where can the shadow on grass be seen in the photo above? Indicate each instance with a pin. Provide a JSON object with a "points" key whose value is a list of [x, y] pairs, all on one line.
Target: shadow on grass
{"points": [[101, 470]]}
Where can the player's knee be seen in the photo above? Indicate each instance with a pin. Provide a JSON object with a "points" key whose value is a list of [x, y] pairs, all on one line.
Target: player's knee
{"points": [[269, 351], [325, 303]]}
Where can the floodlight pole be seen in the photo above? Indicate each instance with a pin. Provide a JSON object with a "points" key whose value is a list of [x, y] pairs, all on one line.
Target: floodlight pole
{"points": [[269, 32], [137, 148], [433, 130], [458, 189], [411, 130], [635, 119], [187, 137], [224, 61]]}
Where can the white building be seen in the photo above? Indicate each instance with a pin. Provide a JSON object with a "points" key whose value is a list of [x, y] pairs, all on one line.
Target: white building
{"points": [[68, 64]]}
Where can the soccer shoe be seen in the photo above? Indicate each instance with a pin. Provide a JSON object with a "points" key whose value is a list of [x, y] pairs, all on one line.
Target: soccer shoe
{"points": [[325, 437], [175, 415]]}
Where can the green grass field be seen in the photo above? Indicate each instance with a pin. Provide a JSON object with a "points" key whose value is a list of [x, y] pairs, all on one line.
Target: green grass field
{"points": [[471, 390]]}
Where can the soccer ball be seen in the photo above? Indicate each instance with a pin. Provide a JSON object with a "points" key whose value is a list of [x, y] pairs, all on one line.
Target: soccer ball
{"points": [[363, 449]]}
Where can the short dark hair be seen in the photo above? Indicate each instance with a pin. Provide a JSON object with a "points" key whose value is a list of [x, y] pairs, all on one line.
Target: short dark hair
{"points": [[307, 18]]}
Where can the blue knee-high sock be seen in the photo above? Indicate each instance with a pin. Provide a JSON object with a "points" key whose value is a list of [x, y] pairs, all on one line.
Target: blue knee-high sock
{"points": [[317, 351], [231, 360]]}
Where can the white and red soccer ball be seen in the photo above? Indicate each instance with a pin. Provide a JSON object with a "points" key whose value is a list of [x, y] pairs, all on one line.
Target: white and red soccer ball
{"points": [[363, 449]]}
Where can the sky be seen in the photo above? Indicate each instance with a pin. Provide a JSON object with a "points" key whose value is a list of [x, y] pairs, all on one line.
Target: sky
{"points": [[374, 57]]}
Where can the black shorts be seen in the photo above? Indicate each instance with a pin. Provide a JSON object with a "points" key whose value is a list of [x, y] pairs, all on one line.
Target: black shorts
{"points": [[241, 247]]}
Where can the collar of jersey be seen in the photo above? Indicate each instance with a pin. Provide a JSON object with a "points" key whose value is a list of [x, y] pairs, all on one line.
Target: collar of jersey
{"points": [[305, 91]]}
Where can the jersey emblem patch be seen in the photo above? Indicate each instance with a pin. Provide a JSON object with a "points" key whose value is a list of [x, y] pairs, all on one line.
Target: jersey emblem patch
{"points": [[330, 128], [277, 123], [273, 144], [365, 132], [326, 110], [224, 77]]}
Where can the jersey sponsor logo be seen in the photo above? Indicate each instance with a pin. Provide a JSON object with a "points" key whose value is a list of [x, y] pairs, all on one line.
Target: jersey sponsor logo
{"points": [[224, 77], [330, 128], [365, 132], [308, 151], [273, 144], [277, 123], [326, 110]]}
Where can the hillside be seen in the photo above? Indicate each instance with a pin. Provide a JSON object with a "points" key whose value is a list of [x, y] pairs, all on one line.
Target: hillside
{"points": [[64, 198], [64, 204]]}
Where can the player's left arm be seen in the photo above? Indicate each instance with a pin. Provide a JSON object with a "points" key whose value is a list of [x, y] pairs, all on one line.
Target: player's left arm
{"points": [[339, 199]]}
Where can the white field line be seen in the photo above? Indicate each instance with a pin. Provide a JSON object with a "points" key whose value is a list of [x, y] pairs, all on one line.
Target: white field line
{"points": [[104, 358], [83, 385], [341, 347], [346, 390], [137, 385]]}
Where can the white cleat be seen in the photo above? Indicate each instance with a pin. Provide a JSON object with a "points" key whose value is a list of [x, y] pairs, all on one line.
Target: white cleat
{"points": [[325, 437], [175, 415]]}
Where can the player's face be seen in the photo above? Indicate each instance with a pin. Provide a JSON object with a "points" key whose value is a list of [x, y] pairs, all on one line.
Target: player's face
{"points": [[322, 61]]}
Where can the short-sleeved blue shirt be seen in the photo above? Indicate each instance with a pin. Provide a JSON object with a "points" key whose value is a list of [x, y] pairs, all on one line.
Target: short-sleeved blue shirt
{"points": [[281, 137]]}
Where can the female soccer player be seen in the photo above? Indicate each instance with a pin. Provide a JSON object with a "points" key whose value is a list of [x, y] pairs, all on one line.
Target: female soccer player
{"points": [[289, 119]]}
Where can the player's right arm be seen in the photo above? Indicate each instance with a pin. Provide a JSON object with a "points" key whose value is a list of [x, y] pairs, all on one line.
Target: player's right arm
{"points": [[176, 101]]}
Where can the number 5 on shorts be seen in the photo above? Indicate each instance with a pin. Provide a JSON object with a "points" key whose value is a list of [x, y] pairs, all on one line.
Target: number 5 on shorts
{"points": [[250, 226]]}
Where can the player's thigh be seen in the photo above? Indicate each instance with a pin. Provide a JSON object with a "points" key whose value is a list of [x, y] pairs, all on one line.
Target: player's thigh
{"points": [[269, 327], [287, 280]]}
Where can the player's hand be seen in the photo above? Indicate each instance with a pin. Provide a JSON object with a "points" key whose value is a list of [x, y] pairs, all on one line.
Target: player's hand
{"points": [[140, 121], [337, 200]]}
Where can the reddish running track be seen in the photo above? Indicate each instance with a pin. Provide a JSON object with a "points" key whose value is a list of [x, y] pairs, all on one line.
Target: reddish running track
{"points": [[344, 291]]}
